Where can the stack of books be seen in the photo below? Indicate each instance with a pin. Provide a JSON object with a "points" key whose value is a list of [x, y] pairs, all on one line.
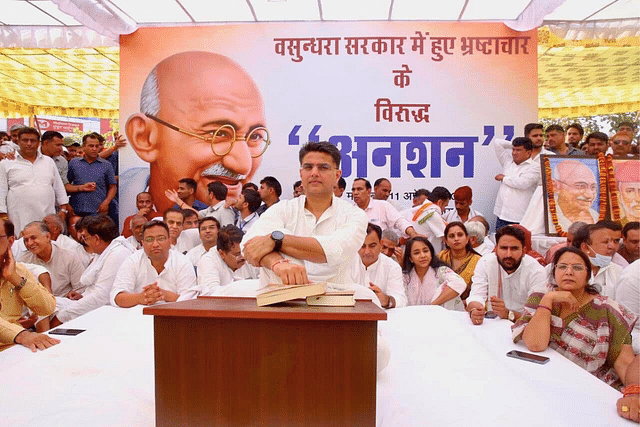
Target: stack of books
{"points": [[316, 294]]}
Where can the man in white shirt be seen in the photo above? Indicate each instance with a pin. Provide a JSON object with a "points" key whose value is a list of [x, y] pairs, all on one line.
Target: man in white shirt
{"points": [[247, 207], [222, 265], [599, 242], [51, 145], [154, 273], [463, 212], [379, 212], [517, 182], [477, 232], [311, 238], [57, 228], [181, 240], [533, 219], [208, 229], [30, 185], [136, 223], [628, 294], [505, 278], [382, 191], [378, 272], [427, 217], [217, 194], [100, 234], [65, 267], [270, 191]]}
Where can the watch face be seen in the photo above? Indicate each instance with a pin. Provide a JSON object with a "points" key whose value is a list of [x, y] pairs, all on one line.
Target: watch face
{"points": [[277, 235]]}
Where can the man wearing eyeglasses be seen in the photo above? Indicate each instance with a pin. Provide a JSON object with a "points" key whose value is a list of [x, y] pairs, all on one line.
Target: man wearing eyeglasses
{"points": [[201, 117], [575, 190], [153, 274]]}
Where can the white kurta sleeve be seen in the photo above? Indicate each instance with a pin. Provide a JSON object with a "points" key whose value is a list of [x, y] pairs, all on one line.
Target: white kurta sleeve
{"points": [[4, 187], [503, 149], [125, 280], [58, 187], [480, 282], [186, 275], [395, 284], [527, 179], [345, 241], [209, 272], [98, 294]]}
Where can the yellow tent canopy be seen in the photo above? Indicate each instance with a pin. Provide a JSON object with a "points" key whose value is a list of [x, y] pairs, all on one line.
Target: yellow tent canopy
{"points": [[575, 78]]}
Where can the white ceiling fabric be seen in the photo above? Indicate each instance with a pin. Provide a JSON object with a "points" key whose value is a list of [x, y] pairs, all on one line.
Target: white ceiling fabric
{"points": [[92, 23]]}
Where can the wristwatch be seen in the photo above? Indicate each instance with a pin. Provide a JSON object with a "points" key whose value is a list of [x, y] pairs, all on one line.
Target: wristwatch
{"points": [[21, 284], [511, 316], [277, 236]]}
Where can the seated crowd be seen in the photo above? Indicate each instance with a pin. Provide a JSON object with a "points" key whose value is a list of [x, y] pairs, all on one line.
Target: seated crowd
{"points": [[63, 254]]}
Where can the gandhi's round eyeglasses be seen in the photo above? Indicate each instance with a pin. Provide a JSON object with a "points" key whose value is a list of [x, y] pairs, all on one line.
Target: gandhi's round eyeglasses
{"points": [[223, 138], [582, 186]]}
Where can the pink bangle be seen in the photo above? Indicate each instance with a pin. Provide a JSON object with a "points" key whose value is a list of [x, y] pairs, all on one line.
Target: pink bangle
{"points": [[544, 306], [278, 262]]}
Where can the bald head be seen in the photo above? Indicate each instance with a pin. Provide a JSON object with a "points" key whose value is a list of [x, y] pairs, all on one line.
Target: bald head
{"points": [[194, 73], [573, 171], [576, 189], [199, 93]]}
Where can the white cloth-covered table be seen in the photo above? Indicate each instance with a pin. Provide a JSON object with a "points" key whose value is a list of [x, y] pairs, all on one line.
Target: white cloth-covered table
{"points": [[458, 374], [442, 371]]}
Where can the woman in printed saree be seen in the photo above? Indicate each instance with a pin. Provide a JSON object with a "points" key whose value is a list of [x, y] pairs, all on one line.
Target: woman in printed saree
{"points": [[459, 255], [589, 329]]}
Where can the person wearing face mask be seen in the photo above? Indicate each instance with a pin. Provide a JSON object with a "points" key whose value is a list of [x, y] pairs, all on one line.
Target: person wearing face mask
{"points": [[598, 242]]}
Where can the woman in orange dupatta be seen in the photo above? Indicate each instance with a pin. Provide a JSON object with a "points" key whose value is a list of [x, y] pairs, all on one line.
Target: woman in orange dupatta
{"points": [[459, 254]]}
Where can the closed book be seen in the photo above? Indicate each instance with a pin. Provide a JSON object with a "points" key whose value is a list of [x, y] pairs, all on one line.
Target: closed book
{"points": [[275, 293], [333, 299]]}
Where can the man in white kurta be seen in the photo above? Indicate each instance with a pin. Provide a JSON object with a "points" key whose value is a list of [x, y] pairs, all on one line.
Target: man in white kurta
{"points": [[378, 272], [312, 238], [427, 221], [380, 212], [628, 294], [518, 180], [30, 185], [101, 236], [65, 267], [504, 279], [222, 265], [152, 274], [208, 229]]}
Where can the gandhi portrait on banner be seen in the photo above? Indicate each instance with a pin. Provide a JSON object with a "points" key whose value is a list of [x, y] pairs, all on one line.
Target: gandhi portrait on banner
{"points": [[201, 117], [575, 189]]}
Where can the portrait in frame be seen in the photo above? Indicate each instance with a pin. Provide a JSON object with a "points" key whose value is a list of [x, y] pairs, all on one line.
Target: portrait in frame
{"points": [[624, 190], [574, 189]]}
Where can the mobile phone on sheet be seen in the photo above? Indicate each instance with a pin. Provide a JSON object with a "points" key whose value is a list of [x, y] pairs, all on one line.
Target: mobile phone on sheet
{"points": [[535, 358], [70, 332]]}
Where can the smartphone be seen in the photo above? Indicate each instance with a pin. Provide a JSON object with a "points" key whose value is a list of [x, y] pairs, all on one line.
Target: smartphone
{"points": [[535, 358], [71, 332], [490, 315]]}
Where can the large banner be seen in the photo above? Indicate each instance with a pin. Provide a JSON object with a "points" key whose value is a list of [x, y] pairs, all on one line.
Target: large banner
{"points": [[418, 103]]}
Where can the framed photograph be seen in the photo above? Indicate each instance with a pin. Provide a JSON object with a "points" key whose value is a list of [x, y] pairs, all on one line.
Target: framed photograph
{"points": [[574, 189], [624, 189]]}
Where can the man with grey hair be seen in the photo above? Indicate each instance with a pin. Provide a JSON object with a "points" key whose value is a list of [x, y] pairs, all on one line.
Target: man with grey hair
{"points": [[64, 266], [58, 230], [390, 247], [476, 232], [206, 107]]}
